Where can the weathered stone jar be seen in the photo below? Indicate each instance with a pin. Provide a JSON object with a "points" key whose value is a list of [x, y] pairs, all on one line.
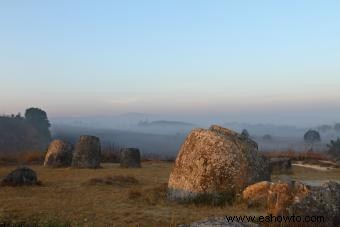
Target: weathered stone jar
{"points": [[130, 158], [87, 152], [217, 162], [59, 154]]}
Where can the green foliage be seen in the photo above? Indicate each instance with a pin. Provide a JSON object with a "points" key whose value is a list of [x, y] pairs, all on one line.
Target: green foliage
{"points": [[334, 148], [312, 136]]}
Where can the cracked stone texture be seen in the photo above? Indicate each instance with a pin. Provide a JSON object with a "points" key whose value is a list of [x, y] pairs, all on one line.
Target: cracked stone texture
{"points": [[322, 200], [130, 158], [216, 160]]}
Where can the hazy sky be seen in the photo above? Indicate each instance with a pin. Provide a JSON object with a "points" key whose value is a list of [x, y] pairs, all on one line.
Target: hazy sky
{"points": [[257, 60]]}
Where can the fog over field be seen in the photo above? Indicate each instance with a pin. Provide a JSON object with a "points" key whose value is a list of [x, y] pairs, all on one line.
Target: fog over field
{"points": [[156, 135]]}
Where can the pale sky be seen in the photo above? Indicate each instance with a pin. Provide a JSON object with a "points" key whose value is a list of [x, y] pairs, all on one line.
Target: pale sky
{"points": [[270, 59]]}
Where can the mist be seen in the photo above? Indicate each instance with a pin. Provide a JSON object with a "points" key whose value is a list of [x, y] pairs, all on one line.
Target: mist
{"points": [[163, 135]]}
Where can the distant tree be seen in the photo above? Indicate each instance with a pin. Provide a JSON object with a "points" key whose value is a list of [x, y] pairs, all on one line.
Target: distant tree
{"points": [[17, 135], [267, 137], [245, 133], [38, 119], [312, 136], [334, 148]]}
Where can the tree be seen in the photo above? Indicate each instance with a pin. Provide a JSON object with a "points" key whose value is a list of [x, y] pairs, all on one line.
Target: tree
{"points": [[38, 119], [245, 133], [334, 148], [312, 136]]}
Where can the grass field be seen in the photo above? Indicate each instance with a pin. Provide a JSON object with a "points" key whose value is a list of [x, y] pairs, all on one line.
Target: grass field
{"points": [[82, 197]]}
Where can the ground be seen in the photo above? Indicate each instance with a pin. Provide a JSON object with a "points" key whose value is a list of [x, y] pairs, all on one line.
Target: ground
{"points": [[69, 196]]}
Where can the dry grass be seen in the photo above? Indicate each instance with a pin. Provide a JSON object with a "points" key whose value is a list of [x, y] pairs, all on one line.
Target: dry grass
{"points": [[117, 180], [63, 198], [27, 158]]}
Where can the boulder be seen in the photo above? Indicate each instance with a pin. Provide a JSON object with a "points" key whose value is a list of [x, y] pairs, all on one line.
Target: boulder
{"points": [[20, 176], [59, 154], [130, 158], [218, 222], [216, 162], [281, 165], [275, 197], [322, 201], [297, 199], [87, 153]]}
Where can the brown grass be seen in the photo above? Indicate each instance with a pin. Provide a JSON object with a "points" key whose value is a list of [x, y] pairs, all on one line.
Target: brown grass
{"points": [[64, 198], [27, 158]]}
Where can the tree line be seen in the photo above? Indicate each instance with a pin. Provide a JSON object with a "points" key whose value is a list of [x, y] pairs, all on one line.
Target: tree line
{"points": [[25, 133]]}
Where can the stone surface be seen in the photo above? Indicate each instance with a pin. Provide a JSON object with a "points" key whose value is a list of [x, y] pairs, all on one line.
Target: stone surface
{"points": [[281, 165], [59, 154], [276, 197], [297, 199], [87, 153], [323, 201], [20, 176], [218, 222], [130, 158], [216, 161]]}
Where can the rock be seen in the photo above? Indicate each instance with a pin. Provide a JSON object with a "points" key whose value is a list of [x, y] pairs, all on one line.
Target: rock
{"points": [[218, 222], [281, 165], [19, 177], [87, 153], [216, 162], [59, 154], [130, 158], [276, 197], [323, 201], [297, 199]]}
